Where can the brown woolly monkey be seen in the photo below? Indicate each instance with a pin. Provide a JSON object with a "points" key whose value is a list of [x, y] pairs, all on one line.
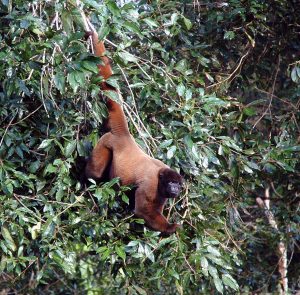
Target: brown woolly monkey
{"points": [[118, 153]]}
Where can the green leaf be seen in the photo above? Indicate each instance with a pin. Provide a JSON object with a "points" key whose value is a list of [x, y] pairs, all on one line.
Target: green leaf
{"points": [[59, 81], [79, 77], [48, 228], [229, 35], [229, 281], [213, 251], [188, 24], [139, 290], [112, 6], [174, 18], [181, 66], [149, 253], [295, 148], [90, 66], [214, 101], [19, 152], [37, 31], [217, 281], [285, 166], [132, 27], [132, 243], [230, 143], [166, 143], [180, 89], [3, 55], [8, 187], [93, 4], [114, 95], [252, 165], [127, 57], [72, 80], [249, 111], [218, 284], [125, 199], [103, 32], [294, 75], [50, 169], [156, 46], [67, 21], [70, 147], [188, 94], [120, 251], [171, 152], [8, 238], [204, 265], [150, 22], [34, 166], [45, 143]]}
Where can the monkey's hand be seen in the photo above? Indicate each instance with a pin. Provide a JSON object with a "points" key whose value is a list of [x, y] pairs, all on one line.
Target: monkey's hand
{"points": [[171, 228]]}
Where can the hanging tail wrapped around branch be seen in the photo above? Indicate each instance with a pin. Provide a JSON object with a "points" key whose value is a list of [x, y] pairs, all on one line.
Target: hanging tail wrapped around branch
{"points": [[116, 120]]}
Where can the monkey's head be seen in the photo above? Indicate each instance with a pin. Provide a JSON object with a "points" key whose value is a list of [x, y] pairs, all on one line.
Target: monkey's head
{"points": [[169, 183]]}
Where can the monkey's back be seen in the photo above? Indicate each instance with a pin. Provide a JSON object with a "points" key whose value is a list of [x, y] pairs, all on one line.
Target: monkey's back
{"points": [[130, 163]]}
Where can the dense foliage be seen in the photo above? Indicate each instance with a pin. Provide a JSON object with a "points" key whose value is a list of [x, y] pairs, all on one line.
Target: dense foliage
{"points": [[211, 88]]}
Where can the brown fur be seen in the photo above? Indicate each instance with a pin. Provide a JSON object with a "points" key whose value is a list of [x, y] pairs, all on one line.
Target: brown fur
{"points": [[117, 151]]}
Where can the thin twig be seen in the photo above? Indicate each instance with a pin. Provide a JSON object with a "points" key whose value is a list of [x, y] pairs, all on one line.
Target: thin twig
{"points": [[137, 127], [146, 74], [279, 98], [231, 76], [281, 248], [142, 124], [6, 129], [27, 116], [145, 60], [68, 207], [33, 213], [173, 204], [94, 203], [20, 274], [135, 111], [232, 240], [127, 82], [84, 18], [42, 201], [42, 93], [187, 262]]}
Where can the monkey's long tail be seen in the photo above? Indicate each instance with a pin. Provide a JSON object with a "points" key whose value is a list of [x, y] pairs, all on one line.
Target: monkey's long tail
{"points": [[116, 120]]}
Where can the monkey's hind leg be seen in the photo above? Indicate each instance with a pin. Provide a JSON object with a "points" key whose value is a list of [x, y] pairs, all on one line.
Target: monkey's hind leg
{"points": [[100, 158]]}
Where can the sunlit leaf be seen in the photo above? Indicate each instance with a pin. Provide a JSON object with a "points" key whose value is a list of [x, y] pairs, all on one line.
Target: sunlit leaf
{"points": [[8, 238]]}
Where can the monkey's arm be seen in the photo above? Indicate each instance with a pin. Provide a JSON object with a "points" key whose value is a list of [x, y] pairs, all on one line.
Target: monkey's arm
{"points": [[152, 214], [100, 158]]}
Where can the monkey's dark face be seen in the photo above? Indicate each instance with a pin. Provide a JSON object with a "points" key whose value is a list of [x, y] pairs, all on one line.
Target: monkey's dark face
{"points": [[170, 183], [173, 189]]}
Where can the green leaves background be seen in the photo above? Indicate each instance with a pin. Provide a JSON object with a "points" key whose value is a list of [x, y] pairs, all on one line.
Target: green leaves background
{"points": [[211, 90]]}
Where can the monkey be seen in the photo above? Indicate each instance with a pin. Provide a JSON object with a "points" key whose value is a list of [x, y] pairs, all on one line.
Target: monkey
{"points": [[119, 154]]}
